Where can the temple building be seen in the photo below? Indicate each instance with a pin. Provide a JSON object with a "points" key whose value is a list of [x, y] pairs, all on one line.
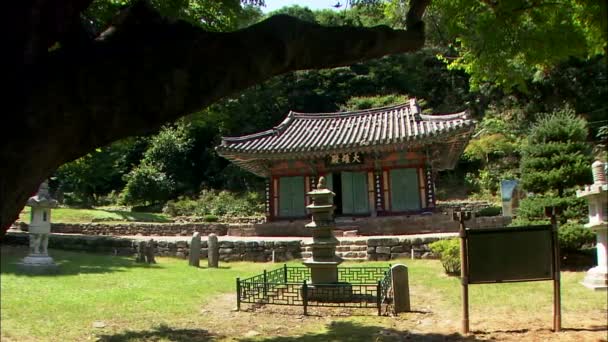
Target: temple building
{"points": [[379, 162]]}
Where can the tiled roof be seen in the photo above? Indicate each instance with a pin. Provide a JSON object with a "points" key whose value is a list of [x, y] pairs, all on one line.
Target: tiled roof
{"points": [[308, 135]]}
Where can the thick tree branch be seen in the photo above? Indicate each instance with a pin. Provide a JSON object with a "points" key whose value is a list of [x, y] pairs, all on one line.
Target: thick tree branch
{"points": [[147, 70]]}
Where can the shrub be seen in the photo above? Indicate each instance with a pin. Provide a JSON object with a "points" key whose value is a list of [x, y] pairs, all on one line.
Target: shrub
{"points": [[147, 185], [449, 253], [222, 203], [490, 211], [573, 236], [532, 209], [183, 206], [210, 218]]}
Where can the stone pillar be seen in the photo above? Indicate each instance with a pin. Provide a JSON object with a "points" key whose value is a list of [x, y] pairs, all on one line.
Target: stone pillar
{"points": [[150, 251], [38, 261], [401, 288], [194, 255], [141, 252], [213, 251], [597, 198]]}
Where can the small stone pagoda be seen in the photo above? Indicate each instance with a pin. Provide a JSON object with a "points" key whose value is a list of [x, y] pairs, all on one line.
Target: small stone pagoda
{"points": [[38, 260], [324, 262], [597, 198]]}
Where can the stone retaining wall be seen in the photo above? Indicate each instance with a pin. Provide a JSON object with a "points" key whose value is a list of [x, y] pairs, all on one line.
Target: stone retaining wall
{"points": [[370, 226], [142, 229], [363, 226], [258, 251]]}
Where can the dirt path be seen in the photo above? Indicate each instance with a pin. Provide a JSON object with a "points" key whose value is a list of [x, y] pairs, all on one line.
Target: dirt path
{"points": [[280, 323]]}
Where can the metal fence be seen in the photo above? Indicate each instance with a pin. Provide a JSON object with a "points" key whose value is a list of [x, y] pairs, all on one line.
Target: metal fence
{"points": [[357, 287]]}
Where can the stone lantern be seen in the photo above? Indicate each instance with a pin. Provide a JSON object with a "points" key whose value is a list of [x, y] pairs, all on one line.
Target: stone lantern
{"points": [[324, 262], [38, 260], [597, 198]]}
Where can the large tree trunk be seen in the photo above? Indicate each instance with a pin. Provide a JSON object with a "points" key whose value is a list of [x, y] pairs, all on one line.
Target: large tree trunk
{"points": [[147, 70]]}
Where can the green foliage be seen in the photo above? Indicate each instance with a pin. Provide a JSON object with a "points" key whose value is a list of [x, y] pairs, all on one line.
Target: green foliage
{"points": [[91, 179], [449, 253], [217, 203], [367, 102], [490, 211], [163, 170], [210, 218], [183, 206], [557, 155], [213, 15], [573, 236], [506, 42], [147, 185], [532, 209]]}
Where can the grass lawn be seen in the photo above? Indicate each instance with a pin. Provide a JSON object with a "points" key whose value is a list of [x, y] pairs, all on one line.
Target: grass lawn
{"points": [[70, 215], [170, 301]]}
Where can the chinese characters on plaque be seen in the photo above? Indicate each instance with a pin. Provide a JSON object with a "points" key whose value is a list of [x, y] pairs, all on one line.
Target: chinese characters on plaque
{"points": [[345, 158]]}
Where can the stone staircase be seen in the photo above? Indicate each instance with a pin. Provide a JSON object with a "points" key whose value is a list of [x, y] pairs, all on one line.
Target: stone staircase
{"points": [[354, 250]]}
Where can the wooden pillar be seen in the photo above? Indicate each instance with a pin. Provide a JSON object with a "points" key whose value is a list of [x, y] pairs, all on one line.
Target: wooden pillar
{"points": [[267, 205], [378, 191], [386, 191], [422, 188], [430, 186]]}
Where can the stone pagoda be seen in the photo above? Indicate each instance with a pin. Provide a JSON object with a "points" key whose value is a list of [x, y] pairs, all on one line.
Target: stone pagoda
{"points": [[38, 260], [324, 262], [597, 198]]}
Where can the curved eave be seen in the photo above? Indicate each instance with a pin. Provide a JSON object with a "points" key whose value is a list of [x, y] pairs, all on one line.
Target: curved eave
{"points": [[448, 147]]}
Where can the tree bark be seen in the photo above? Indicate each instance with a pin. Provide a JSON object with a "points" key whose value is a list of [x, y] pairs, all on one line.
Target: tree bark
{"points": [[147, 70]]}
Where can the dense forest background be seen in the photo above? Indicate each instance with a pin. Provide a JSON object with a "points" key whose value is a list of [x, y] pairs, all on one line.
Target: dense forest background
{"points": [[178, 166]]}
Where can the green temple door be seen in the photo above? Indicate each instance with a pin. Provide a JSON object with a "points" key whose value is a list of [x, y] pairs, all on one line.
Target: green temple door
{"points": [[405, 190], [291, 197], [354, 193]]}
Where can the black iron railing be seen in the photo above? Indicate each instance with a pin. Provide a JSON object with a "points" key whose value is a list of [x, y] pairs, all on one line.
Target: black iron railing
{"points": [[357, 287]]}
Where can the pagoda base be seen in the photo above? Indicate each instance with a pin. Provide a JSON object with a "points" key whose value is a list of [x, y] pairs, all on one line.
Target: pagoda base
{"points": [[596, 279], [38, 264], [330, 293], [323, 271]]}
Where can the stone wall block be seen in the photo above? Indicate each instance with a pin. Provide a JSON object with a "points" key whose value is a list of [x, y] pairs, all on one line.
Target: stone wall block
{"points": [[383, 250], [397, 249]]}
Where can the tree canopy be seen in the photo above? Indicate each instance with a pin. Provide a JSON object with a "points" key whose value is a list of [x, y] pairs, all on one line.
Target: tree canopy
{"points": [[83, 74]]}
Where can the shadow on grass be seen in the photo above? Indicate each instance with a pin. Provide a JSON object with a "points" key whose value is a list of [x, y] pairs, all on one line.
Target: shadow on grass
{"points": [[162, 333], [349, 331], [70, 263]]}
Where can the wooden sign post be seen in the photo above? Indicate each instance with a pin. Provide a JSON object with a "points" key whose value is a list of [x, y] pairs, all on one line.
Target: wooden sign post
{"points": [[510, 254]]}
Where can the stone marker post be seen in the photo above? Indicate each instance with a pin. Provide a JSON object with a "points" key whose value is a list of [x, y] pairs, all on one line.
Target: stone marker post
{"points": [[195, 250], [214, 251], [38, 261], [597, 198], [401, 288], [150, 251], [141, 252]]}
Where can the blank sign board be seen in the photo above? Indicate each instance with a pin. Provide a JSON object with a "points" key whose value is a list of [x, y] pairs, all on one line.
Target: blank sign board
{"points": [[510, 254]]}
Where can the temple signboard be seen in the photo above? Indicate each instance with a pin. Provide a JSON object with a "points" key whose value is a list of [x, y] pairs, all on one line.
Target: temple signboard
{"points": [[343, 159]]}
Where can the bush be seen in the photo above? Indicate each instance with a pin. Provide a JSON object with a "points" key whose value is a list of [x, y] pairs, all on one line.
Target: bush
{"points": [[490, 211], [147, 185], [573, 236], [222, 203], [449, 253], [532, 209], [181, 207], [210, 218]]}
